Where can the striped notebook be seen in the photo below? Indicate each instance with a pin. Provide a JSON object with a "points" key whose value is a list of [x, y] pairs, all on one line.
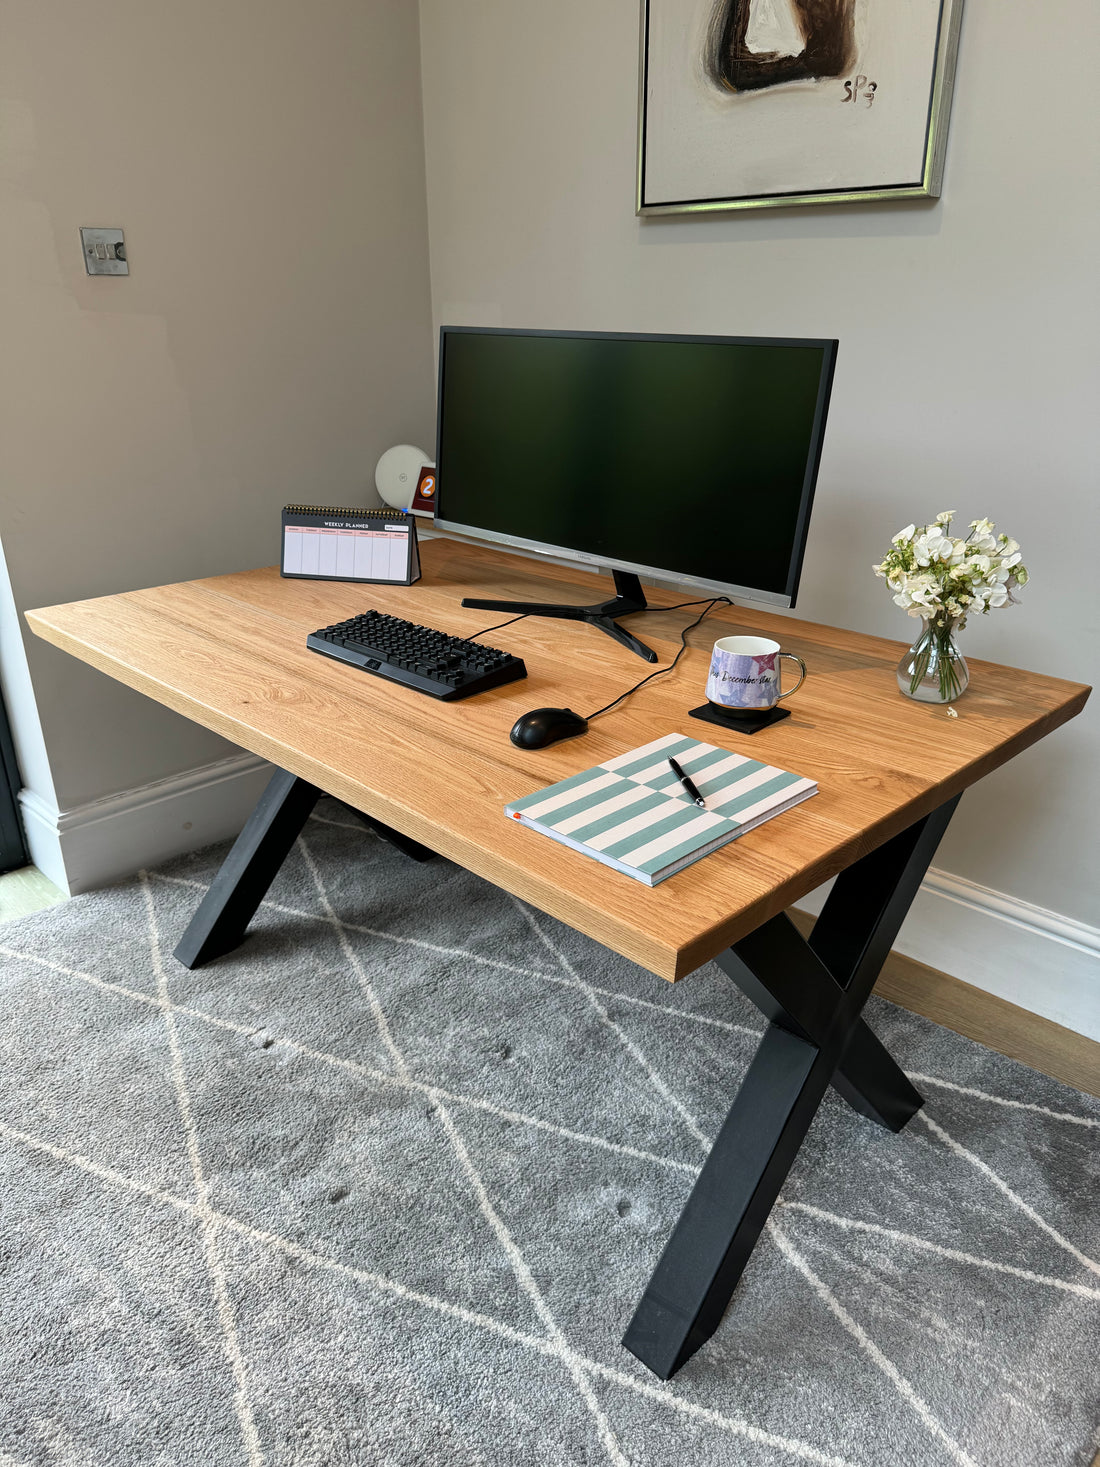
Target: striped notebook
{"points": [[633, 814]]}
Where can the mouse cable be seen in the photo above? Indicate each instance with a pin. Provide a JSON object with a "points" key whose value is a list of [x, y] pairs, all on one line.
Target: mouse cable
{"points": [[708, 607], [679, 607]]}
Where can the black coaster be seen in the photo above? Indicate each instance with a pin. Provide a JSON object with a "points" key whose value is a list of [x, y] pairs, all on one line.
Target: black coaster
{"points": [[741, 720]]}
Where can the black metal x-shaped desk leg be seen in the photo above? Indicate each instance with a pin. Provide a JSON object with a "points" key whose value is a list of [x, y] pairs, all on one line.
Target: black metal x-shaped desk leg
{"points": [[813, 992], [241, 884]]}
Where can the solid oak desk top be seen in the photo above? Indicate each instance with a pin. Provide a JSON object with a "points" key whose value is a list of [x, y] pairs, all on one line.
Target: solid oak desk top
{"points": [[229, 653]]}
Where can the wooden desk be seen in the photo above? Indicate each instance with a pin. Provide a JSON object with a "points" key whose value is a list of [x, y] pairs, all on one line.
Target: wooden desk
{"points": [[230, 653]]}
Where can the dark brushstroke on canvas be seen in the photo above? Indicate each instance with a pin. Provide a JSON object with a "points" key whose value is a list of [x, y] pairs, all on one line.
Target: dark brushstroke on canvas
{"points": [[827, 26]]}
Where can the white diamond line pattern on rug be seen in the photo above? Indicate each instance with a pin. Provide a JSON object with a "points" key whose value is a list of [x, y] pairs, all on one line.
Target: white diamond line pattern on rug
{"points": [[461, 952], [543, 1348], [785, 1247], [916, 1076], [735, 1426], [1014, 1197], [118, 990], [97, 1169], [628, 1044], [518, 1263], [279, 1243], [1042, 1110], [715, 1418], [628, 998], [789, 1252], [526, 1278], [367, 1072], [667, 1013], [426, 1088], [863, 1339], [241, 1398], [398, 937], [852, 1224]]}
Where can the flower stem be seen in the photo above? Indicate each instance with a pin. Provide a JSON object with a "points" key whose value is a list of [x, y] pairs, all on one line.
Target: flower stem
{"points": [[933, 656], [920, 665]]}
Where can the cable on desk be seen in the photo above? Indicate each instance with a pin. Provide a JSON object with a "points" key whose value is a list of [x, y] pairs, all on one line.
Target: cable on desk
{"points": [[486, 630], [707, 609]]}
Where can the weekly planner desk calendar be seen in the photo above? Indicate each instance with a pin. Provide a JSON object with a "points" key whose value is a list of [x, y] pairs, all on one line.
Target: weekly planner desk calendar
{"points": [[230, 653]]}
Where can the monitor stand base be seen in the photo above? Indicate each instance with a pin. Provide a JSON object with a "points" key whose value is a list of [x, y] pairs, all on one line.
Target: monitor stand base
{"points": [[629, 598]]}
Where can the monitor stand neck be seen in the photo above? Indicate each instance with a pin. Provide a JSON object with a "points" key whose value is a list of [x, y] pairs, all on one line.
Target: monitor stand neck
{"points": [[629, 597]]}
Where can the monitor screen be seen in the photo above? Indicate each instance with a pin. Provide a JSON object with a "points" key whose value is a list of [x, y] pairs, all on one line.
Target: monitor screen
{"points": [[691, 458]]}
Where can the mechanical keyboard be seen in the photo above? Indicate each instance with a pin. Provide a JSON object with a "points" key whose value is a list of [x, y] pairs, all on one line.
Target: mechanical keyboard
{"points": [[431, 662]]}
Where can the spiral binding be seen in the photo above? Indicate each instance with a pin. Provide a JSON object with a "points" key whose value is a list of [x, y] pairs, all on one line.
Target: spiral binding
{"points": [[335, 509]]}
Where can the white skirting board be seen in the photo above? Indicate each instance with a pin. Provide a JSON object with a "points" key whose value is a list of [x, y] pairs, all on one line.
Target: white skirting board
{"points": [[1040, 960], [1035, 958], [109, 839]]}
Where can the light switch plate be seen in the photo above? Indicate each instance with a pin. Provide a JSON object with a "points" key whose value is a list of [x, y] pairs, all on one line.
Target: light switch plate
{"points": [[104, 252]]}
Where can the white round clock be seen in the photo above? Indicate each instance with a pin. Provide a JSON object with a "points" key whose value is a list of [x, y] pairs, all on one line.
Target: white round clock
{"points": [[397, 472]]}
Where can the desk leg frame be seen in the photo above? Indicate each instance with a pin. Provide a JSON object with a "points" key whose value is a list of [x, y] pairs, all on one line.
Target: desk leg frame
{"points": [[404, 843], [812, 992], [223, 915]]}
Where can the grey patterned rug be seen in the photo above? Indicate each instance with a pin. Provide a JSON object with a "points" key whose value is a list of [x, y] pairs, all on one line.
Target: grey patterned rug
{"points": [[383, 1187]]}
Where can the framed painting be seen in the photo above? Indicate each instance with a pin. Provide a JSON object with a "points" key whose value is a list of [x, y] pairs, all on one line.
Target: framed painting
{"points": [[754, 104]]}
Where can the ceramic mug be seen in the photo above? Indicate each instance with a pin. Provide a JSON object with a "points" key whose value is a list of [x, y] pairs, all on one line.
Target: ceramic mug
{"points": [[744, 673]]}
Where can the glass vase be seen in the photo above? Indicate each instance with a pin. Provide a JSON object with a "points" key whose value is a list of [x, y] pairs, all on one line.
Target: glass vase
{"points": [[934, 670]]}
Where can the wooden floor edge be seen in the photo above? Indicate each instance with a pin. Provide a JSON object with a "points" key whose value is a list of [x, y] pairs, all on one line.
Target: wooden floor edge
{"points": [[999, 1025]]}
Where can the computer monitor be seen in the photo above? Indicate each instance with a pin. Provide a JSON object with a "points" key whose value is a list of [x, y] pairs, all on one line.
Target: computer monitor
{"points": [[689, 459]]}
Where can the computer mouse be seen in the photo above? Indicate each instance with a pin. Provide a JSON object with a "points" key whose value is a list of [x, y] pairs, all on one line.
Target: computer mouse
{"points": [[543, 726]]}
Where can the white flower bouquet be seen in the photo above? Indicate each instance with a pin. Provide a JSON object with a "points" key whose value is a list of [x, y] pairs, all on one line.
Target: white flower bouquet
{"points": [[945, 579]]}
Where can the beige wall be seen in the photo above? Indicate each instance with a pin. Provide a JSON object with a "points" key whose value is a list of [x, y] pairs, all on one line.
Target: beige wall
{"points": [[966, 374], [266, 162]]}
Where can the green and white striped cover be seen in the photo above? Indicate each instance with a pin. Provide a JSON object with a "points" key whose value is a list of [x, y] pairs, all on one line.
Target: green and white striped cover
{"points": [[632, 813]]}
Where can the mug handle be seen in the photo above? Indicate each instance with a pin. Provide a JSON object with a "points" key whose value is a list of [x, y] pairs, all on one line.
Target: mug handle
{"points": [[801, 680]]}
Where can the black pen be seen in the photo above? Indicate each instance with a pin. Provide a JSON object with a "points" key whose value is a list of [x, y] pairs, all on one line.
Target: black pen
{"points": [[687, 784]]}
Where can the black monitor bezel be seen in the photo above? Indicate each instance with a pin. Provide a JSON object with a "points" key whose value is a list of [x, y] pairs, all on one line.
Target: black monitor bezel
{"points": [[787, 598]]}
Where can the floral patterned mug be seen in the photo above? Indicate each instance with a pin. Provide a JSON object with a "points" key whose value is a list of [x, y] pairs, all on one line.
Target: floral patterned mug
{"points": [[744, 673]]}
